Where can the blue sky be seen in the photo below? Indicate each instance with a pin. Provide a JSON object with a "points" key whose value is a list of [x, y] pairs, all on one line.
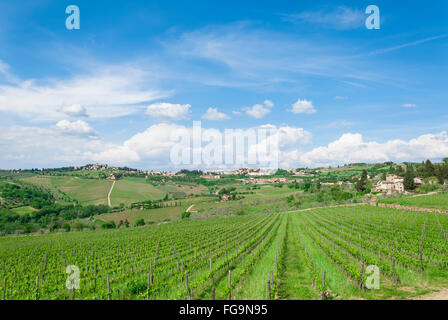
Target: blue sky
{"points": [[113, 90]]}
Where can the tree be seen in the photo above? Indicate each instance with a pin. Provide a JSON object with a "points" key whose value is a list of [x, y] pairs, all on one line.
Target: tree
{"points": [[383, 176], [439, 173], [391, 169], [399, 171], [430, 171], [409, 178], [421, 170], [361, 184]]}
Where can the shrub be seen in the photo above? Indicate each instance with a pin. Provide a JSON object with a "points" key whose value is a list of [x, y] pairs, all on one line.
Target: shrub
{"points": [[139, 223], [30, 227], [185, 215], [428, 187], [108, 225]]}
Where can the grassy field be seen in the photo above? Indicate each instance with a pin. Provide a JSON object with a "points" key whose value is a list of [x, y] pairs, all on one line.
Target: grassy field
{"points": [[154, 215], [292, 250], [93, 191], [129, 190], [183, 189], [436, 201], [23, 210], [86, 191]]}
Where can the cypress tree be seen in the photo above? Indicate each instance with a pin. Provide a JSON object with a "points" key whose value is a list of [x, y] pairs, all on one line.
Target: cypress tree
{"points": [[361, 184], [409, 178]]}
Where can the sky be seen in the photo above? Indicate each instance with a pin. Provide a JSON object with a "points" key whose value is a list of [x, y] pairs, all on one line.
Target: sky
{"points": [[114, 90]]}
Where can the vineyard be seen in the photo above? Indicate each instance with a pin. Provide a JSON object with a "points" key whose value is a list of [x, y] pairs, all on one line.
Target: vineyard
{"points": [[435, 201], [314, 254]]}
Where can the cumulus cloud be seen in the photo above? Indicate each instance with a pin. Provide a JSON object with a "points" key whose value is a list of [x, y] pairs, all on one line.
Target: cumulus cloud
{"points": [[104, 93], [152, 145], [31, 147], [77, 127], [214, 114], [303, 106], [156, 143], [168, 111], [75, 110], [258, 111], [351, 148]]}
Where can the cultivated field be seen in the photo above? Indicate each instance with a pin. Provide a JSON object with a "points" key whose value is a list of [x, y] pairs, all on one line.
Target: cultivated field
{"points": [[312, 254], [435, 201]]}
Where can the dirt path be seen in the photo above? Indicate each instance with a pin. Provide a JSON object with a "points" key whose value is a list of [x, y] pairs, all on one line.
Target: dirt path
{"points": [[110, 191], [189, 208], [441, 295], [412, 208], [336, 206], [425, 194]]}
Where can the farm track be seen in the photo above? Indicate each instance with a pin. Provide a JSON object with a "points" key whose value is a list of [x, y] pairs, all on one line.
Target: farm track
{"points": [[411, 208], [108, 195], [335, 206], [440, 295]]}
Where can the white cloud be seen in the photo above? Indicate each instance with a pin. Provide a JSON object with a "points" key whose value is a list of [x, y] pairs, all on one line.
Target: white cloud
{"points": [[274, 59], [258, 111], [168, 111], [351, 148], [75, 110], [31, 147], [151, 146], [268, 103], [104, 93], [214, 114], [154, 145], [340, 124], [77, 127], [303, 106], [5, 71], [339, 18], [409, 105]]}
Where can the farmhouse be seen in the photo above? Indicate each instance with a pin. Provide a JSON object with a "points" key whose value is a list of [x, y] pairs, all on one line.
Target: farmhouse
{"points": [[394, 184], [112, 177]]}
